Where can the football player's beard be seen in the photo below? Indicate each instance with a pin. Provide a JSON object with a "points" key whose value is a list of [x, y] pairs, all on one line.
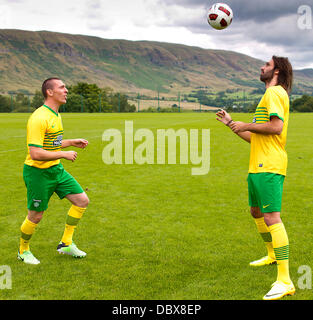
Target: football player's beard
{"points": [[268, 76]]}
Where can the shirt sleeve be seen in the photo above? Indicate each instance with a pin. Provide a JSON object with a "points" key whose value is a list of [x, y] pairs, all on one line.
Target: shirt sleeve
{"points": [[36, 132], [274, 104]]}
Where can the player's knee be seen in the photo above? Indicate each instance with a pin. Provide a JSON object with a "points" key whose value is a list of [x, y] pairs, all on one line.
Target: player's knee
{"points": [[35, 216], [271, 218], [83, 201], [80, 200], [256, 212]]}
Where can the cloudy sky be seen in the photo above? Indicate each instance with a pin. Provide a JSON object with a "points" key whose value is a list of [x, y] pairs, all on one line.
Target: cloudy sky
{"points": [[260, 28]]}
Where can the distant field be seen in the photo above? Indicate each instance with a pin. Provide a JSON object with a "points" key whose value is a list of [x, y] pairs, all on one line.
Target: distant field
{"points": [[154, 231], [145, 104]]}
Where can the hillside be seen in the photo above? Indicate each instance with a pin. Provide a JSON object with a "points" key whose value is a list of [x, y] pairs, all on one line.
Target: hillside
{"points": [[26, 58]]}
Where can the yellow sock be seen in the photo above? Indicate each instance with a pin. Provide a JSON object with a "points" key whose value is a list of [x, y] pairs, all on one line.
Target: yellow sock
{"points": [[266, 236], [27, 230], [281, 249], [74, 215], [68, 234]]}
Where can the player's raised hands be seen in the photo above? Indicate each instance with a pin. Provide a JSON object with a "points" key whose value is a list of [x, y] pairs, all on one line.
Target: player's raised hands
{"points": [[223, 117]]}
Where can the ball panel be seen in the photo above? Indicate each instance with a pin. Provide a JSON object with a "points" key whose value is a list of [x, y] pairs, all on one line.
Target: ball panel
{"points": [[224, 23], [223, 9], [213, 16]]}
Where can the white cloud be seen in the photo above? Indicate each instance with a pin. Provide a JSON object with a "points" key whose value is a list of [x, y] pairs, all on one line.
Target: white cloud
{"points": [[5, 16]]}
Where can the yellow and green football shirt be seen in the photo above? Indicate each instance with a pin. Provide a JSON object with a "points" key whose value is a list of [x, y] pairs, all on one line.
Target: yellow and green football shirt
{"points": [[44, 130], [267, 153]]}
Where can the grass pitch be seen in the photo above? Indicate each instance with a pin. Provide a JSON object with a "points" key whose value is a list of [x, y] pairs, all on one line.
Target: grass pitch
{"points": [[154, 231]]}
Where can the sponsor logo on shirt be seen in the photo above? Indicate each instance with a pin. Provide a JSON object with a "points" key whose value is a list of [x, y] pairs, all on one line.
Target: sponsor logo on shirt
{"points": [[58, 141]]}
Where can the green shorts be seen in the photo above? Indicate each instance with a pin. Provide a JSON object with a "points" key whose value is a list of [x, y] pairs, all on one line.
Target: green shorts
{"points": [[265, 191], [42, 183]]}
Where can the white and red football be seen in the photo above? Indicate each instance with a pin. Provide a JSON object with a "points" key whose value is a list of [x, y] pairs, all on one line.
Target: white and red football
{"points": [[220, 16]]}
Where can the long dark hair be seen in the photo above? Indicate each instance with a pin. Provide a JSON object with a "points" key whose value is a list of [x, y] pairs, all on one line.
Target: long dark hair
{"points": [[285, 75]]}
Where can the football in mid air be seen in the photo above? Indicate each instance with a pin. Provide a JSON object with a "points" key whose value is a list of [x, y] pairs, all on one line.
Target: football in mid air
{"points": [[220, 16]]}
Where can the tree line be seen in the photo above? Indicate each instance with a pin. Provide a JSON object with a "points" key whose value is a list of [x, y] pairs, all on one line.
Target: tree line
{"points": [[246, 104], [82, 97], [85, 97], [303, 104]]}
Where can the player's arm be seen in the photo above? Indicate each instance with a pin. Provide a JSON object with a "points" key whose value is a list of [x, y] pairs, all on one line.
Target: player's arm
{"points": [[35, 139], [78, 143], [225, 118], [39, 154], [275, 110], [274, 126]]}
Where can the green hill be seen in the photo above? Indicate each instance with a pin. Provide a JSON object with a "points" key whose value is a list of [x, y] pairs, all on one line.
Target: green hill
{"points": [[27, 57]]}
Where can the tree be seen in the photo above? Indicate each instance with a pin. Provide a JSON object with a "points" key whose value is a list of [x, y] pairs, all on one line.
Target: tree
{"points": [[22, 103], [5, 104], [85, 97], [303, 104], [120, 104], [73, 103], [37, 100]]}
